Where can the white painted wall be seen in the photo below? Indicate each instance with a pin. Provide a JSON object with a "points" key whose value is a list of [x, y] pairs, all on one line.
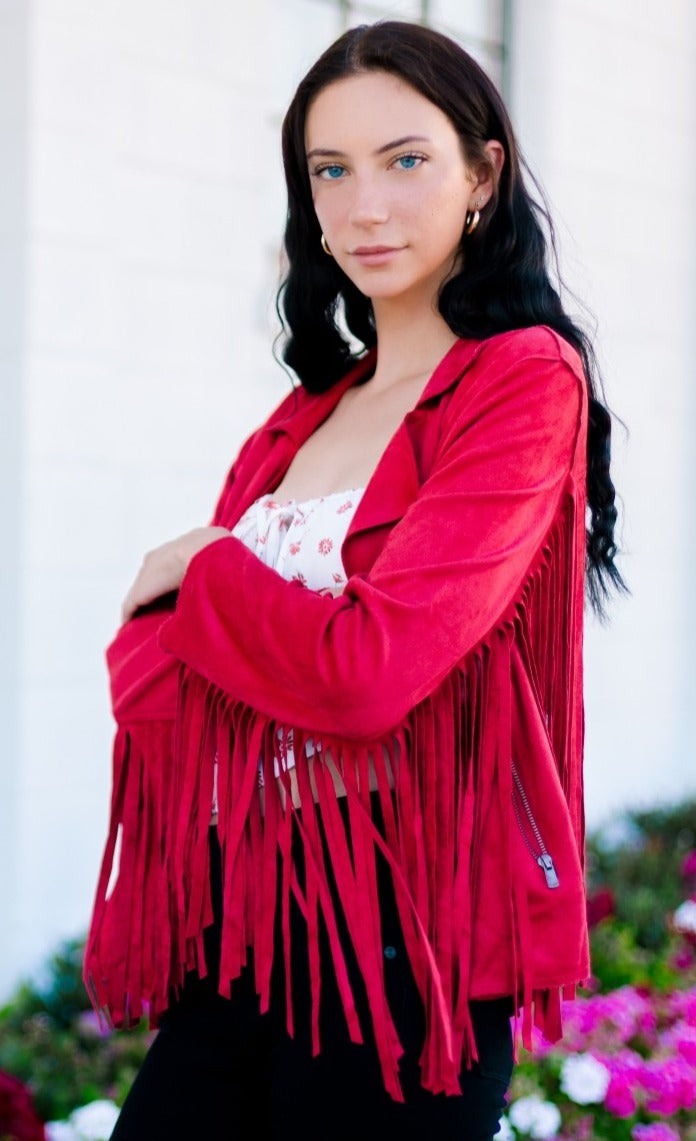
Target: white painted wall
{"points": [[141, 210], [13, 72], [604, 98]]}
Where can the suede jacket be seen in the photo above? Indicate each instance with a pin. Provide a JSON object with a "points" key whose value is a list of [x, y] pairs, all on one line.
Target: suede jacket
{"points": [[452, 662]]}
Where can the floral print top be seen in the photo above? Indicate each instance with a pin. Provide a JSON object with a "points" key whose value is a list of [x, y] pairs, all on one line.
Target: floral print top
{"points": [[302, 541]]}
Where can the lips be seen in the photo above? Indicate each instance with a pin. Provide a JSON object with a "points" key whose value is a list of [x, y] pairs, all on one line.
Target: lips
{"points": [[376, 255]]}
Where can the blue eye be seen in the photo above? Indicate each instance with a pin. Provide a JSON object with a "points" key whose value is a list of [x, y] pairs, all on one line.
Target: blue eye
{"points": [[332, 172], [409, 162]]}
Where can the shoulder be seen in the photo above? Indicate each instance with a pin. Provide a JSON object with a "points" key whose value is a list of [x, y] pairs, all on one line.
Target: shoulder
{"points": [[535, 362], [293, 402], [537, 342], [523, 380]]}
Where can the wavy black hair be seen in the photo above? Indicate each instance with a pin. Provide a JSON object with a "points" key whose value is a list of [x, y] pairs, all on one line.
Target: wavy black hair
{"points": [[504, 282]]}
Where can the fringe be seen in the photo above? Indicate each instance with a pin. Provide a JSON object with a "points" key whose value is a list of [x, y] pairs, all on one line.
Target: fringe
{"points": [[127, 960], [451, 748]]}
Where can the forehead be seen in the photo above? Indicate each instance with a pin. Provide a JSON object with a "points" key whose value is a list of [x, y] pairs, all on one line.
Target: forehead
{"points": [[362, 112]]}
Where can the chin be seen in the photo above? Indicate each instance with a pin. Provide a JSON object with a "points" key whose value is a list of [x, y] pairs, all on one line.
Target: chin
{"points": [[385, 290]]}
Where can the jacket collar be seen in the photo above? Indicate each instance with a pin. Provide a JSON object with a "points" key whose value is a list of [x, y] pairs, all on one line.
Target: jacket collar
{"points": [[311, 410], [395, 481]]}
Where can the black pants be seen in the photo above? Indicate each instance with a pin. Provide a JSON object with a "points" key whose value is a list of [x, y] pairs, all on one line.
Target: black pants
{"points": [[220, 1069]]}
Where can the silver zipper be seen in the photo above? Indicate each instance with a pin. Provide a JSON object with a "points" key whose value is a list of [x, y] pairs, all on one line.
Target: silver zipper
{"points": [[542, 857]]}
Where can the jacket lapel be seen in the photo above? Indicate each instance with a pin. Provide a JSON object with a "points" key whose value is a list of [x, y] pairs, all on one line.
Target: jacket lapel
{"points": [[395, 481], [278, 441]]}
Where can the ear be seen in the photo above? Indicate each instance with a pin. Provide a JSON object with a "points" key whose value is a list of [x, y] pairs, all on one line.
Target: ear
{"points": [[487, 175]]}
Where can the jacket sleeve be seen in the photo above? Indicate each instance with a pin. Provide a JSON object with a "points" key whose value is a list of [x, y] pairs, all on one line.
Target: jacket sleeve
{"points": [[143, 678], [355, 664]]}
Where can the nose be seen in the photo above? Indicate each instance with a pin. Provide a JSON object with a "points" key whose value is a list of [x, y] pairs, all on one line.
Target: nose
{"points": [[369, 204]]}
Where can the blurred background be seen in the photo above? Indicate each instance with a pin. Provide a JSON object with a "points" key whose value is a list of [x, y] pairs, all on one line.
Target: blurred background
{"points": [[141, 214]]}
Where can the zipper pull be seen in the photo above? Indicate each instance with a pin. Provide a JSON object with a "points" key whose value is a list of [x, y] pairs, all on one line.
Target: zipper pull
{"points": [[546, 864]]}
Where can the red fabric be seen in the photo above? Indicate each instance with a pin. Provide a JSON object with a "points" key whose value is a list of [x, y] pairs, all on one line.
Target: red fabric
{"points": [[453, 654]]}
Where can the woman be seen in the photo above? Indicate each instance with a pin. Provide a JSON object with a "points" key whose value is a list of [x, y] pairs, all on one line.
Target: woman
{"points": [[372, 671]]}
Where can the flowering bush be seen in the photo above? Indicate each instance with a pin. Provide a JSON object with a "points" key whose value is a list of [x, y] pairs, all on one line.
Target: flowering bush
{"points": [[52, 1042], [626, 1068], [18, 1118], [625, 1071], [646, 863]]}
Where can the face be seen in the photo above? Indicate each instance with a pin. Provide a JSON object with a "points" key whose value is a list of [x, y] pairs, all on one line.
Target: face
{"points": [[390, 184]]}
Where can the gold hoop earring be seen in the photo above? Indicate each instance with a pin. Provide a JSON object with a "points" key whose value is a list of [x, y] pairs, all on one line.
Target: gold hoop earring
{"points": [[471, 221], [325, 246]]}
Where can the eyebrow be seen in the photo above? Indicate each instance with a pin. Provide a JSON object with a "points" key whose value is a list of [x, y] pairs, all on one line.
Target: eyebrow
{"points": [[321, 152]]}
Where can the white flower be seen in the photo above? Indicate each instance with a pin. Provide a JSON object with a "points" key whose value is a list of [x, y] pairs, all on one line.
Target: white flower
{"points": [[584, 1079], [505, 1132], [684, 918], [94, 1121], [540, 1119], [60, 1131]]}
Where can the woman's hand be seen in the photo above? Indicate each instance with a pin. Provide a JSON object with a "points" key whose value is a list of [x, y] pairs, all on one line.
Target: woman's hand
{"points": [[164, 568]]}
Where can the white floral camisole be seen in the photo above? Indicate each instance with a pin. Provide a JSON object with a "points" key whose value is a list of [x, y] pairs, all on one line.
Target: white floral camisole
{"points": [[302, 541]]}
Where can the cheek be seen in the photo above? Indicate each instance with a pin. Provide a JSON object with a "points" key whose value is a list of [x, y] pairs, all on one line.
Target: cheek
{"points": [[439, 207], [329, 207], [443, 223]]}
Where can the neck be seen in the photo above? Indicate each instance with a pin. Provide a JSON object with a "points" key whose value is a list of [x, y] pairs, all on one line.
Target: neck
{"points": [[411, 340]]}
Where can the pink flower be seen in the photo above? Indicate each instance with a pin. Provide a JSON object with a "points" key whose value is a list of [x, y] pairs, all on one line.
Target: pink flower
{"points": [[670, 1085], [682, 1004], [681, 1037], [324, 546], [626, 1068], [18, 1118], [540, 1046], [619, 1015], [688, 868], [620, 1099], [655, 1132], [600, 905], [683, 959]]}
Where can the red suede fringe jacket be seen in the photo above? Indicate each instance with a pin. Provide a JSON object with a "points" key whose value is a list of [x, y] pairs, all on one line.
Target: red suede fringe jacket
{"points": [[453, 656]]}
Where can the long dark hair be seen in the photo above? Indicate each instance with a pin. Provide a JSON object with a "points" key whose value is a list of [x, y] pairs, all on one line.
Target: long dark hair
{"points": [[504, 283]]}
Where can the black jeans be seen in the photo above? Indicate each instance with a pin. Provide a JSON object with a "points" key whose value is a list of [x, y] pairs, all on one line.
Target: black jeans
{"points": [[220, 1069]]}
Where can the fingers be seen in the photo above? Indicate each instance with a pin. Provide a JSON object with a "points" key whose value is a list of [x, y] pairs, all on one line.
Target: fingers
{"points": [[156, 576], [163, 568], [130, 605]]}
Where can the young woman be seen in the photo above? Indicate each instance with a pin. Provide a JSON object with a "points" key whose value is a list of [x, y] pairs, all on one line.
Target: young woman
{"points": [[347, 780]]}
